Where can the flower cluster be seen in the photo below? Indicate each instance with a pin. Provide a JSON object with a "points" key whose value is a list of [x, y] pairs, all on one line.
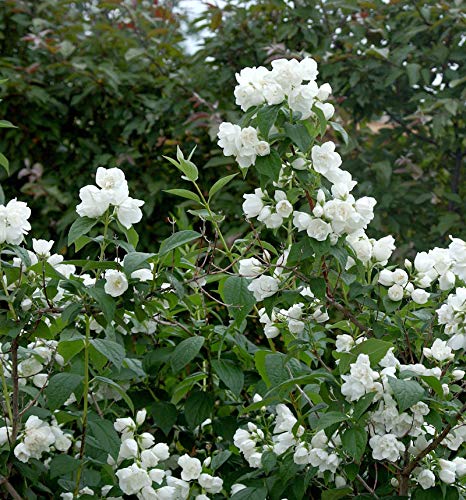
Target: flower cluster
{"points": [[145, 468], [284, 82], [244, 144], [39, 437], [113, 191]]}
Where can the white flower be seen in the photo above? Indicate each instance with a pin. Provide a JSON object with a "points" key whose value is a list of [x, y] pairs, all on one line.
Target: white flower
{"points": [[301, 220], [324, 92], [14, 222], [94, 202], [141, 416], [327, 109], [439, 351], [263, 287], [116, 283], [308, 71], [128, 212], [162, 451], [38, 438], [128, 449], [460, 463], [210, 483], [395, 292], [133, 479], [344, 343], [262, 148], [386, 447], [42, 247], [458, 374], [250, 268], [386, 277], [302, 98], [318, 229], [142, 274], [237, 487], [5, 432], [113, 183], [253, 204], [284, 208], [420, 296], [361, 379], [447, 471], [149, 459], [181, 487], [191, 467], [426, 479], [383, 249], [229, 136], [324, 158], [124, 425]]}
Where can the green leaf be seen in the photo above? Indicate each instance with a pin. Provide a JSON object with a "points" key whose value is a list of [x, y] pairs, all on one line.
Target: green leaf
{"points": [[269, 166], [63, 464], [322, 120], [136, 260], [186, 166], [185, 352], [318, 287], [362, 405], [5, 163], [60, 387], [299, 135], [336, 493], [250, 493], [338, 128], [414, 71], [184, 193], [113, 351], [122, 392], [268, 461], [354, 442], [219, 459], [220, 184], [407, 392], [6, 124], [106, 303], [330, 418], [104, 432], [198, 407], [134, 53], [266, 117], [176, 240], [374, 348], [164, 415], [434, 383], [79, 228], [240, 300], [230, 374]]}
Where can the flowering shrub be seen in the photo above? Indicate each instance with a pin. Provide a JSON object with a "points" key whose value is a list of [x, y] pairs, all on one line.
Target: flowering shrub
{"points": [[294, 362]]}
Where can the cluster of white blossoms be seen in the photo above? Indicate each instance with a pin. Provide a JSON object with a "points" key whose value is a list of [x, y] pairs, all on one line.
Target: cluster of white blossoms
{"points": [[242, 143], [145, 468], [263, 285], [320, 451], [295, 317], [386, 425], [452, 314], [271, 213], [284, 82], [340, 215], [39, 437], [112, 191], [14, 224]]}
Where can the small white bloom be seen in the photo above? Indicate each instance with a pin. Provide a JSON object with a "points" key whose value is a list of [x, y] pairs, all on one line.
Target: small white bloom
{"points": [[191, 467], [116, 283]]}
